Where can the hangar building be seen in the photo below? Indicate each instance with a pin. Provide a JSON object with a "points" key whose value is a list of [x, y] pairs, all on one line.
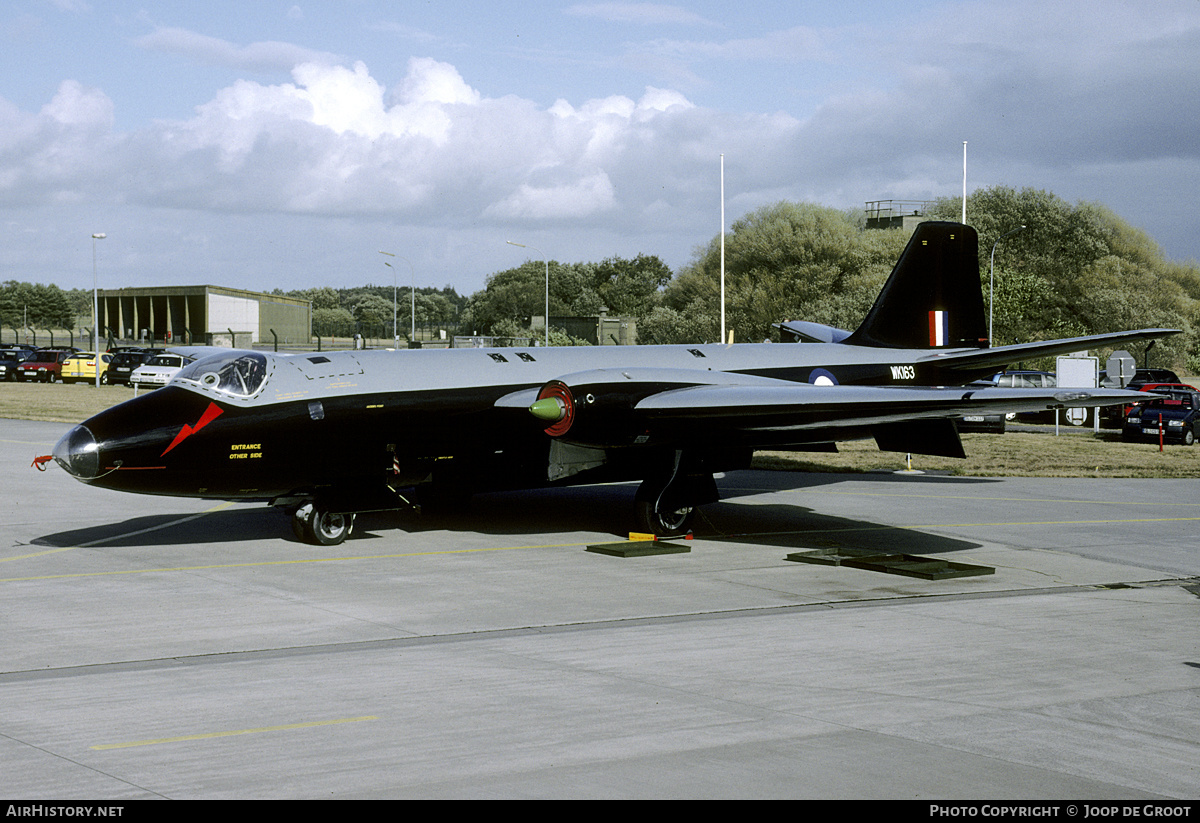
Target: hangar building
{"points": [[193, 315]]}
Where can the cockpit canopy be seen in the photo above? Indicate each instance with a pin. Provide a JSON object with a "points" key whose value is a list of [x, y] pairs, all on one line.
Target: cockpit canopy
{"points": [[240, 374]]}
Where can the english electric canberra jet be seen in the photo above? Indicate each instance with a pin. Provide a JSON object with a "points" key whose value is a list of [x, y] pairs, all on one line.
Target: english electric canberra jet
{"points": [[327, 435]]}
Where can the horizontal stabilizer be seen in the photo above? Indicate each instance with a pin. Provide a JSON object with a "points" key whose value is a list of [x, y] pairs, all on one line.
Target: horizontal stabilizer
{"points": [[974, 360]]}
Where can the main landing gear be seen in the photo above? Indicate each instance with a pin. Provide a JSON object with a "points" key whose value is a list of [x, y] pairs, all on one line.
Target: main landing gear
{"points": [[663, 520], [313, 523], [665, 503]]}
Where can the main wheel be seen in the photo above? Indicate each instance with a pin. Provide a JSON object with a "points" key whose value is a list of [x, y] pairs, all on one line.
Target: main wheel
{"points": [[663, 521], [313, 524]]}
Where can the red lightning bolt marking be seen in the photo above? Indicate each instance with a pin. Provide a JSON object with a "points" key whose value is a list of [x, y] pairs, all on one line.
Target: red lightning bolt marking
{"points": [[210, 414]]}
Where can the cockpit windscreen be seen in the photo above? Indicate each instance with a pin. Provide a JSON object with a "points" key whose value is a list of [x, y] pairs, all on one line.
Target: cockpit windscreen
{"points": [[240, 374]]}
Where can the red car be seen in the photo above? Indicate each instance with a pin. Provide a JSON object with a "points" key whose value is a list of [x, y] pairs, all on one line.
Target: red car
{"points": [[45, 366], [1155, 387]]}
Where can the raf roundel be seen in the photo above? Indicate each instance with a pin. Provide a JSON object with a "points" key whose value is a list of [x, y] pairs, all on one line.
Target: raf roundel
{"points": [[822, 377]]}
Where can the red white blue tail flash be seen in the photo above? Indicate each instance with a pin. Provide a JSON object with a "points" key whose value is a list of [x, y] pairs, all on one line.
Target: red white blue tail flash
{"points": [[939, 328]]}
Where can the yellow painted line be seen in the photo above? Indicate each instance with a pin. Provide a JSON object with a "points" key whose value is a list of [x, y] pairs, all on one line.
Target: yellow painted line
{"points": [[399, 555], [103, 540], [38, 554], [1059, 522], [931, 526], [211, 735], [354, 558], [288, 562], [1055, 500], [1010, 523]]}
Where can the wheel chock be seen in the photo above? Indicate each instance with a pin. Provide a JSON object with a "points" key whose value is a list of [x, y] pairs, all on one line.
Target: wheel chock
{"points": [[638, 545]]}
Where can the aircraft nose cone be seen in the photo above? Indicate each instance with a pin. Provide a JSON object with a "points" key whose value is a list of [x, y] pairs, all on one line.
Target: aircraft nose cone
{"points": [[78, 453]]}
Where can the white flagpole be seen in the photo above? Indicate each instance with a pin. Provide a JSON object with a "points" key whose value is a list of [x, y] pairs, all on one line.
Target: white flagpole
{"points": [[723, 333], [964, 210]]}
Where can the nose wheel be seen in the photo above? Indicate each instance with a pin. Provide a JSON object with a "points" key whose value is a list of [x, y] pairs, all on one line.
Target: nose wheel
{"points": [[314, 524]]}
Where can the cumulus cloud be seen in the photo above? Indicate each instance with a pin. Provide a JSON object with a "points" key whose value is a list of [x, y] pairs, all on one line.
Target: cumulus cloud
{"points": [[629, 173], [79, 107], [430, 81], [335, 141], [60, 153], [573, 199]]}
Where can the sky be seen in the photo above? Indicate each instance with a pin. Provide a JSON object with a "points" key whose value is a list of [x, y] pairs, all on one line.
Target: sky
{"points": [[285, 144]]}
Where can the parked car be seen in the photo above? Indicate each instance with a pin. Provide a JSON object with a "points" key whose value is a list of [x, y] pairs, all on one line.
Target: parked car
{"points": [[1018, 379], [1158, 388], [10, 359], [80, 367], [988, 423], [1172, 417], [1113, 416], [124, 362], [158, 370], [1141, 376], [44, 365]]}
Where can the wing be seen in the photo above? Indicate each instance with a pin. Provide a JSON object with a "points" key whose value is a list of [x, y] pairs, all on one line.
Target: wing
{"points": [[972, 361], [645, 407]]}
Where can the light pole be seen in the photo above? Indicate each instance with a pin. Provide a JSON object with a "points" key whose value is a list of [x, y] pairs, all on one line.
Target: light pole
{"points": [[992, 280], [412, 292], [547, 262], [96, 306]]}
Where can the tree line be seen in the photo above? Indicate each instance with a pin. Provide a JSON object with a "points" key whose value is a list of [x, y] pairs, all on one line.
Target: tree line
{"points": [[377, 311], [1074, 269], [39, 306]]}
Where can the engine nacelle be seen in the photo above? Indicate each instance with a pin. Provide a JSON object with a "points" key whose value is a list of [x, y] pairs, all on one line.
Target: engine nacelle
{"points": [[599, 408]]}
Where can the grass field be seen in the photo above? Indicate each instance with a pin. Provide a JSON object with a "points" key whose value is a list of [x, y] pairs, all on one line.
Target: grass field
{"points": [[58, 402], [1033, 452]]}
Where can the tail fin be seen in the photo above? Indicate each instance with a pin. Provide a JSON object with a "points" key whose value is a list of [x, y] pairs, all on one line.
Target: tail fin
{"points": [[933, 298]]}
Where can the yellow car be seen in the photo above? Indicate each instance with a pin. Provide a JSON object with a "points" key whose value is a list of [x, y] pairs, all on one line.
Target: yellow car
{"points": [[81, 367]]}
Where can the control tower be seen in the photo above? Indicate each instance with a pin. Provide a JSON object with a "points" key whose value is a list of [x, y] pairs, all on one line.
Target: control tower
{"points": [[894, 214]]}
